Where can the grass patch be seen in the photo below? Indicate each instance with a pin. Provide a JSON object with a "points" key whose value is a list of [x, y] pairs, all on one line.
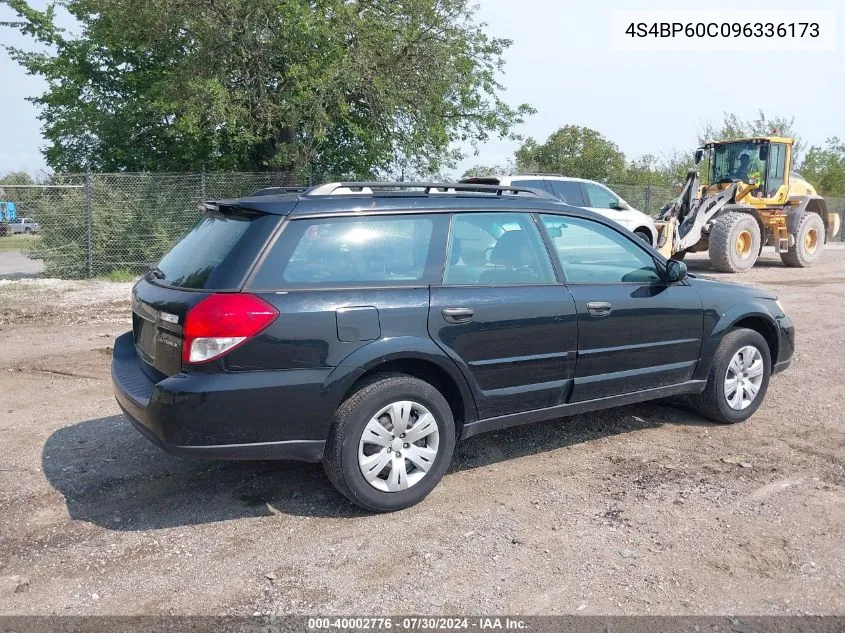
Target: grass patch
{"points": [[121, 274], [18, 242]]}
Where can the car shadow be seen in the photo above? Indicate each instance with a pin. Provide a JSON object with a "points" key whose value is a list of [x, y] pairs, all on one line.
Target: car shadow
{"points": [[111, 476]]}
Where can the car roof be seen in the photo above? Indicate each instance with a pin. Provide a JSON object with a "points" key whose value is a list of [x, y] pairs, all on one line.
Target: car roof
{"points": [[352, 198], [309, 205], [509, 178]]}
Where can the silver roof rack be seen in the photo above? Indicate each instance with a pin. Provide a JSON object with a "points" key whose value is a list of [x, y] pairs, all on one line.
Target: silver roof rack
{"points": [[415, 188], [272, 191]]}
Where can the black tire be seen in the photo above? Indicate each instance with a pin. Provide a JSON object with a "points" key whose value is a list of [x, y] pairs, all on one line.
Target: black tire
{"points": [[644, 235], [340, 459], [725, 236], [809, 242], [712, 403], [27, 230]]}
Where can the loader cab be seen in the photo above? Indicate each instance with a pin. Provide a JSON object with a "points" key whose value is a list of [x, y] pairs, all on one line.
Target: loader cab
{"points": [[762, 162]]}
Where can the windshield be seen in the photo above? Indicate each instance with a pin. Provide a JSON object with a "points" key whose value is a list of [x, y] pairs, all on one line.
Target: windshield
{"points": [[739, 161]]}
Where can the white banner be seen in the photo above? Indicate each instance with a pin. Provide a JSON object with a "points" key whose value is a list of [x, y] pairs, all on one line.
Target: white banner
{"points": [[724, 30]]}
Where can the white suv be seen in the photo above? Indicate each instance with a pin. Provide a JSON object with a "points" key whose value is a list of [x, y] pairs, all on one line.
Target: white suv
{"points": [[582, 193]]}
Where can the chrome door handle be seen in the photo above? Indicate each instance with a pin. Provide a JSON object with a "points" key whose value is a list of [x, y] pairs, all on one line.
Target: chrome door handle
{"points": [[599, 308], [458, 315]]}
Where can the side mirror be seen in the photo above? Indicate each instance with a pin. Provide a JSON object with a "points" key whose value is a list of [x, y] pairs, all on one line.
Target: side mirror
{"points": [[675, 271], [619, 206], [699, 154]]}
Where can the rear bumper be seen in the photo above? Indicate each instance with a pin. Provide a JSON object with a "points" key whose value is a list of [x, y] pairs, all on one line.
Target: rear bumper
{"points": [[246, 415]]}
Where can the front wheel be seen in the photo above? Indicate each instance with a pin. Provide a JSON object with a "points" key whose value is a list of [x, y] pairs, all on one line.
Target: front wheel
{"points": [[738, 378], [735, 242], [391, 442]]}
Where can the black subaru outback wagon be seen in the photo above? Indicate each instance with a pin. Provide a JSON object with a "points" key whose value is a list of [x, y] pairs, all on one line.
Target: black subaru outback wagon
{"points": [[372, 325]]}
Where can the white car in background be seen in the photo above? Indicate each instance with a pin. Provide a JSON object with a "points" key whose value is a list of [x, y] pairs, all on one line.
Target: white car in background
{"points": [[22, 225], [582, 193]]}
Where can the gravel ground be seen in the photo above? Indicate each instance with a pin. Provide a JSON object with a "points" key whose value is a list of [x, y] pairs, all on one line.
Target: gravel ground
{"points": [[636, 510]]}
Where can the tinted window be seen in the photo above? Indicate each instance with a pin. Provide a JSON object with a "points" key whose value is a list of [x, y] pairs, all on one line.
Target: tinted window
{"points": [[492, 249], [600, 198], [216, 253], [389, 250], [569, 191], [534, 184], [592, 253]]}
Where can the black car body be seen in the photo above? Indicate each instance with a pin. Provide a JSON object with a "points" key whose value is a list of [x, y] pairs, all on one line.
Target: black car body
{"points": [[523, 320]]}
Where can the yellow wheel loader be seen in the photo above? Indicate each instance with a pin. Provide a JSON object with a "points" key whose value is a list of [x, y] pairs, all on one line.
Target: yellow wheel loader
{"points": [[754, 199]]}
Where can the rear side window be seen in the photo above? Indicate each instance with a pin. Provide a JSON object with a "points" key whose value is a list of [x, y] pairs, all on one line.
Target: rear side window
{"points": [[569, 191], [217, 252], [534, 184], [361, 251]]}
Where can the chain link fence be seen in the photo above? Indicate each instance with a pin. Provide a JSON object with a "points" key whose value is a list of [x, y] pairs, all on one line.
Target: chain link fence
{"points": [[94, 225]]}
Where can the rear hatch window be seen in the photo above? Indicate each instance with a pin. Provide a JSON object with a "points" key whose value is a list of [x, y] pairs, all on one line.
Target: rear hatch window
{"points": [[217, 252]]}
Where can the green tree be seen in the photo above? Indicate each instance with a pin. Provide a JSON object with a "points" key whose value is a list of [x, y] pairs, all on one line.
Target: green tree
{"points": [[824, 167], [333, 87], [573, 151], [481, 171], [645, 170], [733, 127], [17, 178]]}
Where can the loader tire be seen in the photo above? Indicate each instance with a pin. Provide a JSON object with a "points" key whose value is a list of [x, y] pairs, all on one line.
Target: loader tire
{"points": [[734, 242], [809, 242]]}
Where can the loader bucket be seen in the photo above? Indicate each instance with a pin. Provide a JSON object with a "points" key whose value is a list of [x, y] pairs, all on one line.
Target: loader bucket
{"points": [[666, 236]]}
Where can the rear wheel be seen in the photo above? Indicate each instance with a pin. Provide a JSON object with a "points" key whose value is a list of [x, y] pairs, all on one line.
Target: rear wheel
{"points": [[738, 378], [391, 443], [809, 242], [735, 242]]}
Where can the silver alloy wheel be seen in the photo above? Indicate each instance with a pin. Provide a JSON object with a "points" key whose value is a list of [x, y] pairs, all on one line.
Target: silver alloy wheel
{"points": [[398, 446], [743, 377]]}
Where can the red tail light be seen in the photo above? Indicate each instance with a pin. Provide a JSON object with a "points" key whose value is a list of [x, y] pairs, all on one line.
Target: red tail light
{"points": [[221, 322]]}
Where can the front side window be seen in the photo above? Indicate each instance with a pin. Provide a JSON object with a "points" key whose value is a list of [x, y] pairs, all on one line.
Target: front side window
{"points": [[360, 251], [600, 198], [592, 253], [491, 249]]}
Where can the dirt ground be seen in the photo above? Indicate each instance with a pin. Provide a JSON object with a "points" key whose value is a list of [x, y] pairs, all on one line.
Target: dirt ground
{"points": [[642, 509]]}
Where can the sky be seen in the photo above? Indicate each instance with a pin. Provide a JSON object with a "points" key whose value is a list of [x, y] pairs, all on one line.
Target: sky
{"points": [[563, 63]]}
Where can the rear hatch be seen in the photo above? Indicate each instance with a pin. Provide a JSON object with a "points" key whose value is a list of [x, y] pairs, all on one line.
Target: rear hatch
{"points": [[214, 256]]}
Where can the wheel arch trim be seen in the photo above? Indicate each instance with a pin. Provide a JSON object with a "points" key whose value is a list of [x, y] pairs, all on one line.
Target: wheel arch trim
{"points": [[384, 352], [749, 312]]}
